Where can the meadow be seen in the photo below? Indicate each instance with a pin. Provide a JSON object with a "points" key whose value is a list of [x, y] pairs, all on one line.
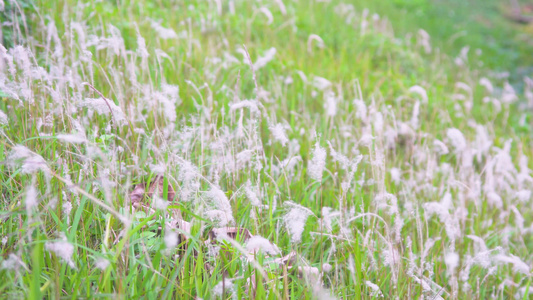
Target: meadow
{"points": [[269, 149]]}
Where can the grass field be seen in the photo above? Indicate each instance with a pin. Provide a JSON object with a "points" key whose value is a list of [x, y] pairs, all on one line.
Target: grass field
{"points": [[272, 149]]}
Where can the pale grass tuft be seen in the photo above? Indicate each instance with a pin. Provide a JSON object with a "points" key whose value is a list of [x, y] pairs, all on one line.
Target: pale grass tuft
{"points": [[295, 220], [13, 262], [102, 264], [258, 243], [321, 83], [72, 138], [326, 268], [457, 140], [518, 265], [420, 91], [103, 106], [224, 286], [319, 43], [265, 59], [376, 291], [31, 199], [278, 131], [162, 32], [63, 249], [171, 239], [316, 166], [4, 120], [31, 162]]}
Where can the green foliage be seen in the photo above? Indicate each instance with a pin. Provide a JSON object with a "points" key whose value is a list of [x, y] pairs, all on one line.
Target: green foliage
{"points": [[115, 257], [13, 16]]}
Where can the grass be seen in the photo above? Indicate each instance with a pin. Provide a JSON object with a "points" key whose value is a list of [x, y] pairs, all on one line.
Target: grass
{"points": [[498, 43], [411, 220]]}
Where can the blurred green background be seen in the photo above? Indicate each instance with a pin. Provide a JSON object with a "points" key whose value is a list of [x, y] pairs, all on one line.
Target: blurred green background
{"points": [[504, 43], [488, 25]]}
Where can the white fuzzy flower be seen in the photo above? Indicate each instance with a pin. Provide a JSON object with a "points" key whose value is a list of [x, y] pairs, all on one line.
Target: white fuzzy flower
{"points": [[423, 40], [317, 39], [250, 104], [13, 262], [326, 268], [158, 169], [338, 157], [316, 166], [160, 203], [330, 103], [361, 112], [440, 148], [288, 80], [420, 91], [71, 138], [103, 107], [396, 175], [523, 195], [4, 120], [257, 243], [162, 32], [311, 275], [63, 249], [378, 122], [456, 138], [487, 84], [494, 200], [31, 162], [171, 239], [366, 140], [295, 220], [279, 134], [518, 265], [508, 94], [222, 204], [451, 260], [141, 47], [31, 198], [223, 286], [251, 195], [219, 216], [265, 59], [101, 264], [67, 208], [376, 292], [321, 83]]}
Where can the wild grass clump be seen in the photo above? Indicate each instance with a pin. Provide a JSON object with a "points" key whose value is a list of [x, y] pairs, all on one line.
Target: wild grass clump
{"points": [[251, 150]]}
